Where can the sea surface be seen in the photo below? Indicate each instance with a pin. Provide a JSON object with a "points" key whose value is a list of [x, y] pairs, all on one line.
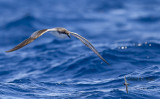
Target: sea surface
{"points": [[125, 32]]}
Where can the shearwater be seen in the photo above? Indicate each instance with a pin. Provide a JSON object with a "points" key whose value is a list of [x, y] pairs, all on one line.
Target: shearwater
{"points": [[126, 84], [60, 32]]}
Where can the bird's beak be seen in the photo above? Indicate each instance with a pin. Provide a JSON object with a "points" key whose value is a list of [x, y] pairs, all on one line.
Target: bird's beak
{"points": [[68, 35]]}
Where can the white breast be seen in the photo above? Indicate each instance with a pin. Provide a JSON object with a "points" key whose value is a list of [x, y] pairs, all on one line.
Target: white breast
{"points": [[55, 33]]}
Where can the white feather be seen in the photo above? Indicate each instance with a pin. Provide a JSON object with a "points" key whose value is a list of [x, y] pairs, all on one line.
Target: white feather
{"points": [[55, 33]]}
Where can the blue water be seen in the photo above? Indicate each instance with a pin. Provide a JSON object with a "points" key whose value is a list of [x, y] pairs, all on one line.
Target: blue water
{"points": [[125, 32]]}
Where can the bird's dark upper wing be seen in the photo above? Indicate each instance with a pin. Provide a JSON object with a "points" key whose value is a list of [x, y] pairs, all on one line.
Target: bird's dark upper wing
{"points": [[88, 44], [34, 36]]}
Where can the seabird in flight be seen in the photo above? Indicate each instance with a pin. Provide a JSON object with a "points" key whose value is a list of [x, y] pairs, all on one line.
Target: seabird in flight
{"points": [[126, 84], [60, 32]]}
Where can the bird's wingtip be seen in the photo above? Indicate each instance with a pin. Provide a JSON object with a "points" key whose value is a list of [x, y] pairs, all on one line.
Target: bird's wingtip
{"points": [[107, 63], [7, 51]]}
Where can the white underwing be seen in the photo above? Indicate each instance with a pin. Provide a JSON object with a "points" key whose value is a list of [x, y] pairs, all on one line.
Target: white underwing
{"points": [[60, 35]]}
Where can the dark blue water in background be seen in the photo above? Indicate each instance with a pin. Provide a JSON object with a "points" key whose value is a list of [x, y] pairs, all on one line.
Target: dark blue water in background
{"points": [[125, 32]]}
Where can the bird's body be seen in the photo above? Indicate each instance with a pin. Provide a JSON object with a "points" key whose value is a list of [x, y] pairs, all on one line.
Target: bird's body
{"points": [[60, 32], [57, 34]]}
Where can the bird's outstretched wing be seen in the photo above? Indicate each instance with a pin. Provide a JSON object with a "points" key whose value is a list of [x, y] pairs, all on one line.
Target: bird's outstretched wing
{"points": [[126, 84], [34, 36], [127, 88], [88, 44]]}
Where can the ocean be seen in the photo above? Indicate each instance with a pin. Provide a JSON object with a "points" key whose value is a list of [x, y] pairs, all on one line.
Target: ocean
{"points": [[125, 32]]}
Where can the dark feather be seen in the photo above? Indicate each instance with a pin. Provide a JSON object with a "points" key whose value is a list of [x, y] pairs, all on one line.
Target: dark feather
{"points": [[34, 36], [25, 42], [88, 44]]}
